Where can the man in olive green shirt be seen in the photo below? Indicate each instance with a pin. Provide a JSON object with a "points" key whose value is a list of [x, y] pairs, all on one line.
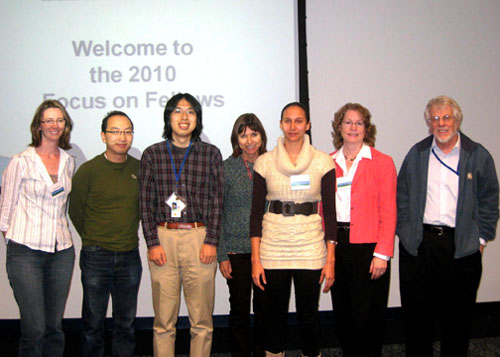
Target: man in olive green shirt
{"points": [[104, 208]]}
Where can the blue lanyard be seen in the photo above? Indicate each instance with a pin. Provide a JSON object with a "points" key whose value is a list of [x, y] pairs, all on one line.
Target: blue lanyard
{"points": [[448, 167], [177, 174]]}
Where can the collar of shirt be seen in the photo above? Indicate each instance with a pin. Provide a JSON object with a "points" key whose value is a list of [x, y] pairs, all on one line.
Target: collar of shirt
{"points": [[343, 196], [438, 150], [364, 153]]}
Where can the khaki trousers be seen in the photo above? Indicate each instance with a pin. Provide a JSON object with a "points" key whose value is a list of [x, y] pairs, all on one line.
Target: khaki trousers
{"points": [[183, 268]]}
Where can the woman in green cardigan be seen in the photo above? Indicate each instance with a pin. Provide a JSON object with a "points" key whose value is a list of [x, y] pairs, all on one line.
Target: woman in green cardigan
{"points": [[249, 140]]}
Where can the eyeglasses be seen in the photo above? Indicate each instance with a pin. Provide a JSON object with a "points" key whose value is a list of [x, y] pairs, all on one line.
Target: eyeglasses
{"points": [[446, 118], [120, 132], [52, 121], [359, 124]]}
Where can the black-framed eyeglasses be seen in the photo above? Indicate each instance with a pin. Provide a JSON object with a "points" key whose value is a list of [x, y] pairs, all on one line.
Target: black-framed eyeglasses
{"points": [[120, 132]]}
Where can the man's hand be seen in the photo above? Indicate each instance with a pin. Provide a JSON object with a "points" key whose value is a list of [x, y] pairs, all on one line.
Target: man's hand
{"points": [[157, 255], [225, 269], [208, 253]]}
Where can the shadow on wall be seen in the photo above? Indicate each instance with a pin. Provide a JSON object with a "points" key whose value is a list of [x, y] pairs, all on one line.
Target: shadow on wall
{"points": [[134, 152], [4, 161], [205, 138], [77, 153]]}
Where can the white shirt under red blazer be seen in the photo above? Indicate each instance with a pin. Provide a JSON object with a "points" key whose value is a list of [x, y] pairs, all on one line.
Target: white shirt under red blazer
{"points": [[373, 202]]}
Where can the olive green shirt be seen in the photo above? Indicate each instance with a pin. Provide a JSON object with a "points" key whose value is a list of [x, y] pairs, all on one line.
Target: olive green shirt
{"points": [[104, 203]]}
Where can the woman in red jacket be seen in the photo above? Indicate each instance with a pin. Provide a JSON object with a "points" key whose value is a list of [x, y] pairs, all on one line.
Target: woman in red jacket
{"points": [[366, 214]]}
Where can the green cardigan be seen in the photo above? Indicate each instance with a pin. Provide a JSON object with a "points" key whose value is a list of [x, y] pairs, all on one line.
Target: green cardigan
{"points": [[235, 237]]}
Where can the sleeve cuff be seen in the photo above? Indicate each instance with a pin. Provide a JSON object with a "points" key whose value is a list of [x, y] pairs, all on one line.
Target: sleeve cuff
{"points": [[381, 256]]}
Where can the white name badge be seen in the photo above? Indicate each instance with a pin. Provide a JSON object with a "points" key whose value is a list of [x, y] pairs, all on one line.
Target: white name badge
{"points": [[176, 204], [56, 189], [344, 183], [300, 182]]}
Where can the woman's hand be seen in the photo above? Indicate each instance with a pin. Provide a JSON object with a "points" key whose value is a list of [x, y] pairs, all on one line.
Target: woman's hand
{"points": [[328, 271], [225, 269], [377, 267], [258, 274], [328, 275]]}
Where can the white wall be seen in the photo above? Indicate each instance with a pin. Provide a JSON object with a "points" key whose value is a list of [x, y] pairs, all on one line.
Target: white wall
{"points": [[392, 56], [239, 56]]}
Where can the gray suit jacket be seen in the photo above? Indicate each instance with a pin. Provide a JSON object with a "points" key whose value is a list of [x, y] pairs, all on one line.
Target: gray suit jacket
{"points": [[477, 205]]}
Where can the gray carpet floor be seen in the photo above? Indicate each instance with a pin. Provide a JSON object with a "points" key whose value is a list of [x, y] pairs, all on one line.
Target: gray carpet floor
{"points": [[480, 347]]}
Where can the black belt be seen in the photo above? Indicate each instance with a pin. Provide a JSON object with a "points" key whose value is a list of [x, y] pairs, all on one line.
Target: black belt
{"points": [[343, 226], [289, 208], [438, 230]]}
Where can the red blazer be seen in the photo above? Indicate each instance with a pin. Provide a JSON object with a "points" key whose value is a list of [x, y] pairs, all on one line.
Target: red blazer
{"points": [[373, 202]]}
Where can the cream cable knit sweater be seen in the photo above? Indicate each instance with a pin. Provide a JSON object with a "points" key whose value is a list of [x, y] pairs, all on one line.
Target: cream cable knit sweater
{"points": [[293, 242]]}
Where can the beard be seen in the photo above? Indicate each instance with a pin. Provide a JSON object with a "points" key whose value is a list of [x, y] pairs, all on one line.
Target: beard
{"points": [[445, 140]]}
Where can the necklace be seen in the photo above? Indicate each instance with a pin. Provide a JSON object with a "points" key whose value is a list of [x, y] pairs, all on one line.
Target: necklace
{"points": [[350, 158]]}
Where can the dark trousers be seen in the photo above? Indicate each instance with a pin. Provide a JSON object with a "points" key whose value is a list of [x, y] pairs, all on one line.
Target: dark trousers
{"points": [[106, 273], [307, 288], [436, 287], [359, 303], [240, 292]]}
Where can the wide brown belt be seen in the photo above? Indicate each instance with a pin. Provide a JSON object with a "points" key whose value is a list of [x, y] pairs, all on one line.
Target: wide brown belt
{"points": [[181, 225]]}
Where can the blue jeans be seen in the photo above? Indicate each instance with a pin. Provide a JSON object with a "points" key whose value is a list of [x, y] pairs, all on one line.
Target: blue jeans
{"points": [[40, 282], [103, 273]]}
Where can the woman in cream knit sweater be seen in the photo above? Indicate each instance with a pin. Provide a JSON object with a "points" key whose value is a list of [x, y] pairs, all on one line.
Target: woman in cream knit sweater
{"points": [[288, 242]]}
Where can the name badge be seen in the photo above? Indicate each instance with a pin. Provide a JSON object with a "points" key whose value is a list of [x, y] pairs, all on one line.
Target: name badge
{"points": [[300, 182], [176, 204], [344, 183], [56, 189]]}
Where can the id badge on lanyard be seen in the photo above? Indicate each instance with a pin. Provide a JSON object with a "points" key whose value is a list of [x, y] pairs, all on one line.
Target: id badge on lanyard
{"points": [[176, 202]]}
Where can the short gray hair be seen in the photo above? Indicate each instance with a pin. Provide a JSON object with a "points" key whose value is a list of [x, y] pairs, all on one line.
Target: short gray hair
{"points": [[441, 100]]}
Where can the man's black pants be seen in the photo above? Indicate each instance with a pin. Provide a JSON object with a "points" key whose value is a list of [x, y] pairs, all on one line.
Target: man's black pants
{"points": [[436, 287]]}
